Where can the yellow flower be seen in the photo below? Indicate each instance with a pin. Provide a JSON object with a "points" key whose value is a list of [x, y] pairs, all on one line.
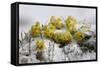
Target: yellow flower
{"points": [[71, 24], [79, 36], [48, 33], [52, 19], [62, 37], [68, 37], [36, 30], [51, 27], [56, 22], [37, 24], [44, 27], [40, 45]]}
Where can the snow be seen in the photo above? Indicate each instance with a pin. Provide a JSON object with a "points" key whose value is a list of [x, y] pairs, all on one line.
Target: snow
{"points": [[52, 53]]}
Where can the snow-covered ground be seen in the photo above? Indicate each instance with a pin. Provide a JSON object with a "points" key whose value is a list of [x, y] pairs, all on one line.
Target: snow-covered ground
{"points": [[53, 53]]}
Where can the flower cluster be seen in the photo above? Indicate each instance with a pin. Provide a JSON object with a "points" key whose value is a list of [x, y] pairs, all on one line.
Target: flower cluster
{"points": [[56, 22], [71, 24], [49, 30], [40, 45], [79, 36], [62, 38], [36, 30]]}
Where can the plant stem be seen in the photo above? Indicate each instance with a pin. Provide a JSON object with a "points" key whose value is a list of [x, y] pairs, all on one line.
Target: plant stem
{"points": [[65, 54], [30, 46], [49, 50]]}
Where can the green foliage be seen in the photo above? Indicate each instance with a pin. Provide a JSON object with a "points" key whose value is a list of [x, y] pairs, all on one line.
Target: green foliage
{"points": [[87, 47]]}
